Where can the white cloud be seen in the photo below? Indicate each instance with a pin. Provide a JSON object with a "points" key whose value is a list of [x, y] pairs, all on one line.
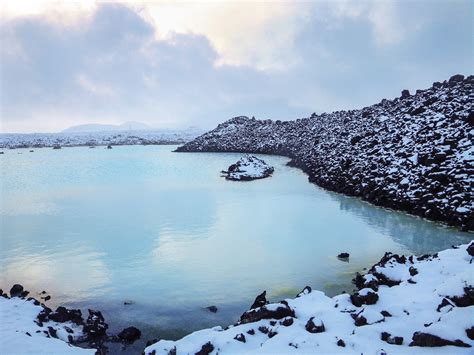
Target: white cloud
{"points": [[94, 87], [256, 34], [387, 26]]}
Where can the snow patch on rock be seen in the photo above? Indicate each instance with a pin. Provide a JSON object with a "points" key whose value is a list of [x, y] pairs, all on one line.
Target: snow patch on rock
{"points": [[248, 168]]}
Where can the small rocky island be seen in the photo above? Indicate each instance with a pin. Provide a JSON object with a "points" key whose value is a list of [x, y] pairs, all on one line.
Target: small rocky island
{"points": [[248, 168]]}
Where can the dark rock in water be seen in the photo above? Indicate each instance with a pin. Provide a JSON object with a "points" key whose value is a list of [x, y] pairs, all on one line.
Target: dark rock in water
{"points": [[130, 334], [344, 256], [206, 349], [62, 314], [47, 298], [212, 309], [248, 168], [95, 326], [430, 340], [16, 290], [240, 337], [341, 343], [313, 326], [31, 151], [251, 332], [128, 302], [385, 314], [56, 147], [387, 337], [260, 300], [109, 147]]}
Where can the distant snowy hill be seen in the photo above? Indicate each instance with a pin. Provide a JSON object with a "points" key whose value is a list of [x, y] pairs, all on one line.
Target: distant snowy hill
{"points": [[98, 127]]}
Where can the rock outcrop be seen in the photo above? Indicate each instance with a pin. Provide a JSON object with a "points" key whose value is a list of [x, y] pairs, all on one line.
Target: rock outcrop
{"points": [[248, 168], [414, 153]]}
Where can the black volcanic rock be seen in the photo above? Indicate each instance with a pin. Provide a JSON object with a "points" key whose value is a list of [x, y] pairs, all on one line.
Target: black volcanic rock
{"points": [[429, 340], [313, 326], [16, 290], [411, 154], [130, 334]]}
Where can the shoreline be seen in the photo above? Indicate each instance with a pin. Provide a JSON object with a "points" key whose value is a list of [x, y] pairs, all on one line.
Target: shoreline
{"points": [[382, 279]]}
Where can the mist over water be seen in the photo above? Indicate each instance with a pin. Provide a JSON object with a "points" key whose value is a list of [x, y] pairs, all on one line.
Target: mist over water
{"points": [[97, 227]]}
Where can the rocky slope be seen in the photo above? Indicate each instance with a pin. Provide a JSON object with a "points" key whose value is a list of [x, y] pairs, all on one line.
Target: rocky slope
{"points": [[415, 305], [414, 153]]}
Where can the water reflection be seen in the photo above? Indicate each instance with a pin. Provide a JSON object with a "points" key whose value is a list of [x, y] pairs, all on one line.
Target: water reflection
{"points": [[415, 234]]}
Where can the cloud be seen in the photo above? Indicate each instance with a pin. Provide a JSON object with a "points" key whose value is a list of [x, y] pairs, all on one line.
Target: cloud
{"points": [[113, 62]]}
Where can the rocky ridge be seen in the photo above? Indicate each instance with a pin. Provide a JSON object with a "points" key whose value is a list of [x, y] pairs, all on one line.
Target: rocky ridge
{"points": [[414, 153]]}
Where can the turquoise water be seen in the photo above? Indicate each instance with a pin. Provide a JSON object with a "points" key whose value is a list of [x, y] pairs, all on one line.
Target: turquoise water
{"points": [[97, 227]]}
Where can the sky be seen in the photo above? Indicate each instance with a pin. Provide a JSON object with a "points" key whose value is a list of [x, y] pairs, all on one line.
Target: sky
{"points": [[177, 64]]}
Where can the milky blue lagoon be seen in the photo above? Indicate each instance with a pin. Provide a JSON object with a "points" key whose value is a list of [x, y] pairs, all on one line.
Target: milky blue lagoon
{"points": [[97, 227]]}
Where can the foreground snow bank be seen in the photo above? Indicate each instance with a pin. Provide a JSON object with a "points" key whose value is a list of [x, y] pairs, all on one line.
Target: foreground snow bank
{"points": [[20, 332], [402, 305], [248, 168]]}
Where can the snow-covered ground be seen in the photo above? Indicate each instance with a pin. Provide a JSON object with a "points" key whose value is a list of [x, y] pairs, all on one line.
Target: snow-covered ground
{"points": [[414, 153], [37, 140], [422, 305], [248, 168], [20, 334]]}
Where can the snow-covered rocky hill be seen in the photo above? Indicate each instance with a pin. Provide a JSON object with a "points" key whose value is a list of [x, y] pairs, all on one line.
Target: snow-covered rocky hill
{"points": [[38, 140], [414, 153]]}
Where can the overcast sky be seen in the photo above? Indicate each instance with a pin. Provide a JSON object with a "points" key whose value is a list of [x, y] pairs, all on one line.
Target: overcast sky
{"points": [[175, 65]]}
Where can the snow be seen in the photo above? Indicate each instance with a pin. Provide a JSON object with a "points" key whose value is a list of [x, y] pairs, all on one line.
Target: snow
{"points": [[411, 306], [17, 317], [248, 168], [66, 139]]}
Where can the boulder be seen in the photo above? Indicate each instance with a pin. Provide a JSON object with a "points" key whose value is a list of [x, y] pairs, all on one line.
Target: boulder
{"points": [[130, 334], [248, 168], [16, 290], [430, 340], [315, 326]]}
